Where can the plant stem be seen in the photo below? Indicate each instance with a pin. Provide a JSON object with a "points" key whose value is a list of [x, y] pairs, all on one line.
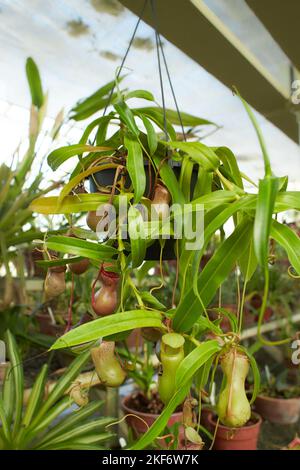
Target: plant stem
{"points": [[192, 339]]}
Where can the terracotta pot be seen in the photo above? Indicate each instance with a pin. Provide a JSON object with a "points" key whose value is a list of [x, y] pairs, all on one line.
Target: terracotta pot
{"points": [[244, 438], [278, 410], [137, 422]]}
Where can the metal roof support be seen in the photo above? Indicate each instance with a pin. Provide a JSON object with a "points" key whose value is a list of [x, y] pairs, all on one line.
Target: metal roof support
{"points": [[196, 30], [281, 18]]}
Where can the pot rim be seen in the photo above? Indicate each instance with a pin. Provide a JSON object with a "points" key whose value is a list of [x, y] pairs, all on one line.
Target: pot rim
{"points": [[126, 408], [224, 427], [277, 399]]}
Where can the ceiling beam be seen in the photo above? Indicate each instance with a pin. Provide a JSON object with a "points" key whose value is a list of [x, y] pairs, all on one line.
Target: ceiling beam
{"points": [[281, 18], [192, 27]]}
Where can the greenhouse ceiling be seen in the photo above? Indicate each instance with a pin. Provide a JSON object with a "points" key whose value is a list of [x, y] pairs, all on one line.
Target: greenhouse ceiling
{"points": [[79, 44]]}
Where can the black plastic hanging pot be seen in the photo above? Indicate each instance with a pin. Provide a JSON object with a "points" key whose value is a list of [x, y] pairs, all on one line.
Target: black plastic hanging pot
{"points": [[105, 178]]}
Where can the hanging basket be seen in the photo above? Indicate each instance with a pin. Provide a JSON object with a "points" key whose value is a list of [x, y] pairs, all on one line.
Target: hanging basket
{"points": [[106, 178]]}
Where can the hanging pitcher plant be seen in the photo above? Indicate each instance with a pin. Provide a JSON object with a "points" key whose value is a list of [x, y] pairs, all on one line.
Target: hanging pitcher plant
{"points": [[126, 157], [156, 192]]}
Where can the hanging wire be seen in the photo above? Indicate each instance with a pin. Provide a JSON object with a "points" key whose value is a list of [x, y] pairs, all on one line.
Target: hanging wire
{"points": [[160, 46], [160, 53], [172, 90], [157, 40], [125, 56]]}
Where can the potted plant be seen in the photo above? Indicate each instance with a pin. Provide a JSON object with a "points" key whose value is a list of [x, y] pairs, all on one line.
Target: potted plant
{"points": [[18, 189], [143, 406], [279, 400], [43, 424], [236, 427], [185, 352]]}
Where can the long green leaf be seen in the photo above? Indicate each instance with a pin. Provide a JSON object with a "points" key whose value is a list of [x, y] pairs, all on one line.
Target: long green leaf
{"points": [[8, 393], [80, 177], [268, 189], [71, 204], [106, 326], [212, 226], [143, 94], [72, 420], [215, 198], [88, 160], [58, 262], [149, 299], [156, 116], [230, 163], [204, 183], [289, 240], [36, 396], [212, 276], [35, 84], [202, 375], [198, 152], [248, 261], [62, 154], [62, 384], [287, 200], [127, 117], [4, 422], [80, 431], [256, 374], [135, 166], [17, 371], [101, 122], [73, 445], [170, 180], [137, 236], [102, 128], [151, 135], [86, 249], [44, 421], [185, 178], [193, 361], [90, 439]]}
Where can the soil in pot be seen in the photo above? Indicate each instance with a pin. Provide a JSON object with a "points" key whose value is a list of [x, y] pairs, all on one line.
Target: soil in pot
{"points": [[278, 410], [142, 413], [243, 438]]}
